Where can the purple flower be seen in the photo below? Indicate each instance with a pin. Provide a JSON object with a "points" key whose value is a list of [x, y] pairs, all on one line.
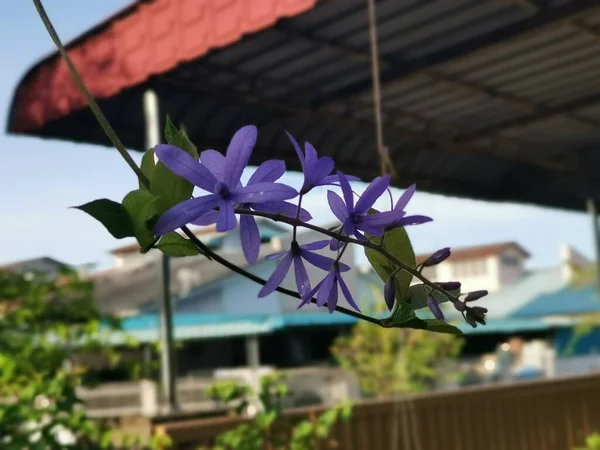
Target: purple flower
{"points": [[437, 257], [269, 171], [475, 295], [389, 292], [327, 289], [224, 185], [435, 307], [399, 209], [317, 171], [296, 254], [355, 218]]}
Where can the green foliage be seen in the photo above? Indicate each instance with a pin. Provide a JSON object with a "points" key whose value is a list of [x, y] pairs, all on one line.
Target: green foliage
{"points": [[165, 184], [592, 442], [391, 360], [45, 327], [269, 429], [110, 214], [417, 296], [147, 167], [140, 208], [173, 244], [397, 243], [408, 298]]}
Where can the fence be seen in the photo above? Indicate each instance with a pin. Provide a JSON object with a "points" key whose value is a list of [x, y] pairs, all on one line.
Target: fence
{"points": [[540, 415], [310, 385]]}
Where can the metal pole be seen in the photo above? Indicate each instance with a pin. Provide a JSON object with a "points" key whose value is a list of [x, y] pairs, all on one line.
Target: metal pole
{"points": [[591, 207], [168, 371]]}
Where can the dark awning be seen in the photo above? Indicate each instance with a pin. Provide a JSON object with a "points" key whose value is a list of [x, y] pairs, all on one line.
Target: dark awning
{"points": [[488, 99]]}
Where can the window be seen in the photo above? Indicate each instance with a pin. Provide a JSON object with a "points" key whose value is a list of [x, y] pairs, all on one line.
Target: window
{"points": [[472, 268], [510, 261]]}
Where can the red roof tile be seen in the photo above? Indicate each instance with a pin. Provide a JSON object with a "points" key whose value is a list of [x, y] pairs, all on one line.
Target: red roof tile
{"points": [[144, 39]]}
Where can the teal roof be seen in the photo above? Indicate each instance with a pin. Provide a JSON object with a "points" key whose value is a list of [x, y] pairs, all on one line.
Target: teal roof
{"points": [[566, 301], [145, 328]]}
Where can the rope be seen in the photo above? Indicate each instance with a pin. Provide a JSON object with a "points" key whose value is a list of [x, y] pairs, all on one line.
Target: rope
{"points": [[386, 165]]}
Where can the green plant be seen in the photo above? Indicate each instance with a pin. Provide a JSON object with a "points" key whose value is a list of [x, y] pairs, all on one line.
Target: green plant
{"points": [[46, 325], [269, 429], [389, 360], [592, 442]]}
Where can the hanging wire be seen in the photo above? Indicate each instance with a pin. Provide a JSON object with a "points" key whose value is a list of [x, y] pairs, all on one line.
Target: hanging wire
{"points": [[386, 165]]}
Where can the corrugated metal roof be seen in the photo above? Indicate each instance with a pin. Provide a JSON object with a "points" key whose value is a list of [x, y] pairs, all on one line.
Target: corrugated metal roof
{"points": [[482, 98], [145, 328], [567, 301]]}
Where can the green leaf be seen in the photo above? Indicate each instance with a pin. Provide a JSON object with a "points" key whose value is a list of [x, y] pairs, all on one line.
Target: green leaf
{"points": [[173, 244], [148, 167], [417, 296], [179, 138], [140, 205], [397, 243], [404, 316], [166, 184], [110, 214], [439, 326], [170, 130]]}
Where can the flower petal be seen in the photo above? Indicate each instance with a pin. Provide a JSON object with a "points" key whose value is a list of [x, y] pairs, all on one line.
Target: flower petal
{"points": [[184, 212], [185, 166], [213, 161], [334, 179], [322, 262], [207, 218], [317, 245], [347, 191], [277, 276], [372, 193], [325, 289], [347, 293], [276, 255], [283, 208], [226, 220], [332, 301], [250, 237], [238, 154], [302, 280], [299, 151], [268, 171], [405, 198], [311, 294], [337, 206], [412, 220], [335, 245], [311, 156], [381, 219], [263, 192], [320, 169]]}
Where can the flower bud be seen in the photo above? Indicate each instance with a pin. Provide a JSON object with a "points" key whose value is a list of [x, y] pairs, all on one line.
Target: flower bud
{"points": [[470, 318], [475, 295], [435, 307], [389, 292], [479, 314], [437, 257], [449, 285], [460, 306]]}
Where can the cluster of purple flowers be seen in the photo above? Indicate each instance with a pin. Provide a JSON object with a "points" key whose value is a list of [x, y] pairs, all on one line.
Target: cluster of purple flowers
{"points": [[220, 177]]}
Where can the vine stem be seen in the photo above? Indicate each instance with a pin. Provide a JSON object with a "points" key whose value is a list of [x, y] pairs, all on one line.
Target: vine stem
{"points": [[367, 244], [116, 142]]}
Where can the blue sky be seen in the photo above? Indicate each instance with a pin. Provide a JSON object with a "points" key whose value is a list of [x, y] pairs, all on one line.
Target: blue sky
{"points": [[40, 179]]}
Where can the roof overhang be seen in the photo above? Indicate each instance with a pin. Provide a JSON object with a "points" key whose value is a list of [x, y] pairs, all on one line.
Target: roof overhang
{"points": [[491, 99]]}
